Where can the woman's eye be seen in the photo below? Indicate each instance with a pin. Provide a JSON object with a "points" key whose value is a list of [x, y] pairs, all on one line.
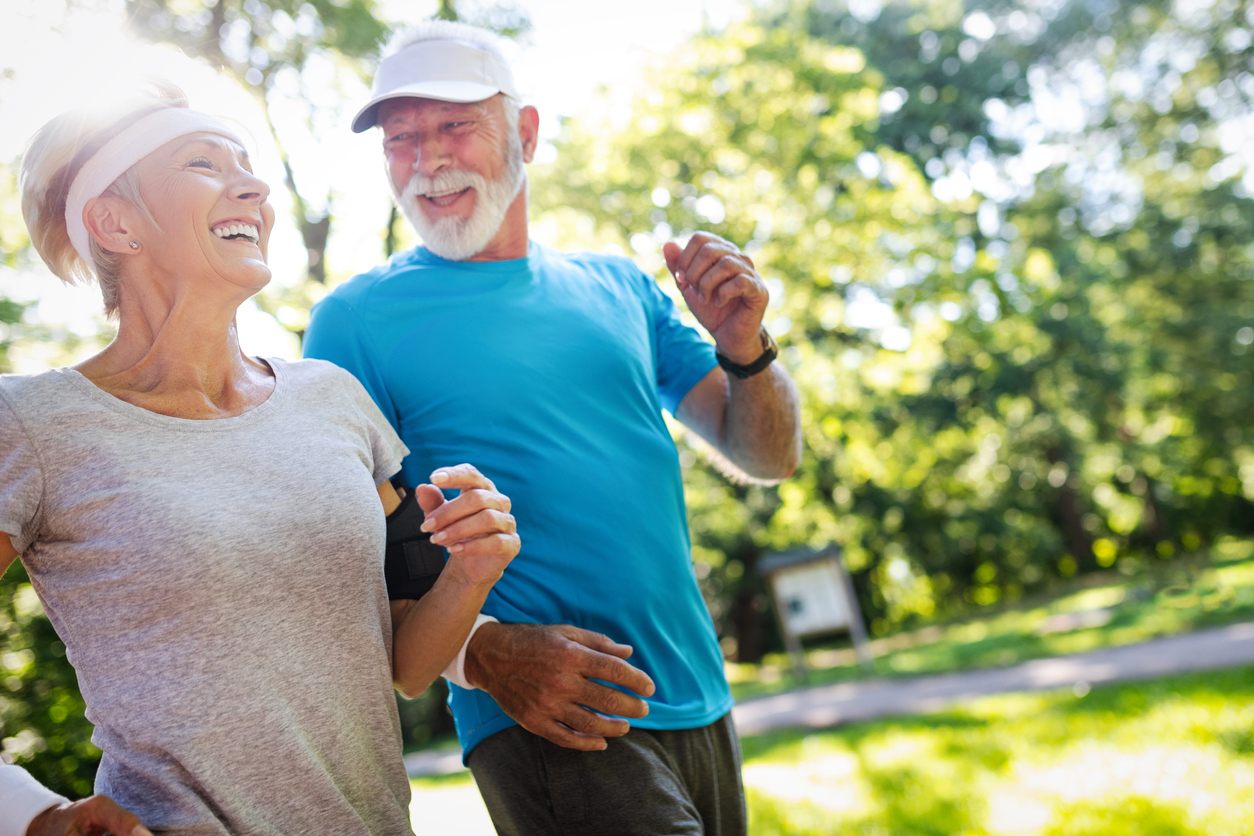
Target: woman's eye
{"points": [[200, 162]]}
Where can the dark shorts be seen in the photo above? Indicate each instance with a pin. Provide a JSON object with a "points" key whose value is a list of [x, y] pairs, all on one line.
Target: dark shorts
{"points": [[650, 782]]}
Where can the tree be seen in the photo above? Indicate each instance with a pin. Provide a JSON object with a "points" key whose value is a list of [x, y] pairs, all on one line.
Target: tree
{"points": [[1016, 327]]}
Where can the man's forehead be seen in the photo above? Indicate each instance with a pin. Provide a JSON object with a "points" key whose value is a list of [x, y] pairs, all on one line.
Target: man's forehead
{"points": [[405, 106]]}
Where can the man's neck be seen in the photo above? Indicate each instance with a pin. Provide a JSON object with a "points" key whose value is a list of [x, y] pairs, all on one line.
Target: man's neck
{"points": [[510, 241]]}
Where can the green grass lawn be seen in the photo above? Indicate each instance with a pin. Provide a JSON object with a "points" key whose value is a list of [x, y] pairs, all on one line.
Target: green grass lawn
{"points": [[1095, 611], [1169, 757]]}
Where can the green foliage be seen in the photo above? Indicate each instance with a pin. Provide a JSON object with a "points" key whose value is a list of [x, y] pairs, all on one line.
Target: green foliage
{"points": [[41, 713], [1085, 613], [1128, 759], [1018, 337]]}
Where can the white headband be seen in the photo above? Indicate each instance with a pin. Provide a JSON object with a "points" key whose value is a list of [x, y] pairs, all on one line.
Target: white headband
{"points": [[123, 151]]}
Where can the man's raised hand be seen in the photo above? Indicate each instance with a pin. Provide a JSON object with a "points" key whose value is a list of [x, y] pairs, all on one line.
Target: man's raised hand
{"points": [[541, 676], [476, 527], [723, 290]]}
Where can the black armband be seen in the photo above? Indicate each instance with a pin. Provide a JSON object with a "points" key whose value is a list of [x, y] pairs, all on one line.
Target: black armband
{"points": [[412, 563]]}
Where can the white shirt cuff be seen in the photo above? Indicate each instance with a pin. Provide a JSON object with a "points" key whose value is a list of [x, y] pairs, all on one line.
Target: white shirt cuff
{"points": [[21, 799], [456, 670]]}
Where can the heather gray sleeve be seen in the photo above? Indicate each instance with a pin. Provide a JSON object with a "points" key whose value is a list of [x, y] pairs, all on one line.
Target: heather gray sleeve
{"points": [[21, 479], [386, 447]]}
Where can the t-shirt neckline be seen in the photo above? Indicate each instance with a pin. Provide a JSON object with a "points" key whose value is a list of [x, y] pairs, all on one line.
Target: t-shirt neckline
{"points": [[258, 413], [511, 265]]}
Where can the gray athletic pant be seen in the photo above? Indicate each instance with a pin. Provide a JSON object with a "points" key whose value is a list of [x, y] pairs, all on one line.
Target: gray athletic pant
{"points": [[647, 783]]}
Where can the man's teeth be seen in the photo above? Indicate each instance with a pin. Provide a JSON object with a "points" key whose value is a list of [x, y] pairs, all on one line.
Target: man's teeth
{"points": [[246, 230]]}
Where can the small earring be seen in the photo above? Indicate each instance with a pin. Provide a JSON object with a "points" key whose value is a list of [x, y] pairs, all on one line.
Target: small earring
{"points": [[134, 245]]}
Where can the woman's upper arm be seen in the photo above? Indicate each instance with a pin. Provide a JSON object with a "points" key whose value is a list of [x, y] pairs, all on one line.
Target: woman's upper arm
{"points": [[7, 553], [389, 497]]}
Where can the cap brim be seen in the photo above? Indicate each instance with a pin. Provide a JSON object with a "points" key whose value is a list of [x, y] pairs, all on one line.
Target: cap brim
{"points": [[443, 91]]}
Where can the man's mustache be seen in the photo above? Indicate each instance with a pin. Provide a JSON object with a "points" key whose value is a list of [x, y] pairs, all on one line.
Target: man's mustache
{"points": [[449, 180]]}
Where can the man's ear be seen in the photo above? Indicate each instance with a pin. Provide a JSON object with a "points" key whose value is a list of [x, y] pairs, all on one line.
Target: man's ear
{"points": [[529, 131], [107, 219]]}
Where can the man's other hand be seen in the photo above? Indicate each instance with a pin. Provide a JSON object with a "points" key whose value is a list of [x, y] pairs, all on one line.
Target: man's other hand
{"points": [[90, 817], [541, 676], [724, 292]]}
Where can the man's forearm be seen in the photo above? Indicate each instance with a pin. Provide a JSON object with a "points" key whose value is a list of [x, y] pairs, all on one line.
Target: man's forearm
{"points": [[762, 432]]}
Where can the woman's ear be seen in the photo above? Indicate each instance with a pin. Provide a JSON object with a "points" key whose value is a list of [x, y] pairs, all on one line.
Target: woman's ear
{"points": [[108, 220]]}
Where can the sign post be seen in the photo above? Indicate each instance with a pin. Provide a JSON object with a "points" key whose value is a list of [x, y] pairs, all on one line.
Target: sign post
{"points": [[813, 595]]}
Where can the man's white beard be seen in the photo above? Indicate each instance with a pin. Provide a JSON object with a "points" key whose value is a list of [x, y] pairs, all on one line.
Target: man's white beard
{"points": [[458, 239]]}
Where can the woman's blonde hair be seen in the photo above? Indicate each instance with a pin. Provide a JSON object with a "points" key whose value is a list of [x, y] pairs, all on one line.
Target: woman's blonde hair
{"points": [[54, 157]]}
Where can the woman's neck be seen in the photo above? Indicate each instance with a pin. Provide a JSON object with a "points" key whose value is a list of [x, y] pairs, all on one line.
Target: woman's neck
{"points": [[180, 356]]}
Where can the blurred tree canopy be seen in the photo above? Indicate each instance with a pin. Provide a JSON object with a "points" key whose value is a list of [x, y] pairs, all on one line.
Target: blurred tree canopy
{"points": [[1009, 248]]}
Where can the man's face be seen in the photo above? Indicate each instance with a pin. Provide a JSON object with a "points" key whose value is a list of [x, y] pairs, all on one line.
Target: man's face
{"points": [[454, 169]]}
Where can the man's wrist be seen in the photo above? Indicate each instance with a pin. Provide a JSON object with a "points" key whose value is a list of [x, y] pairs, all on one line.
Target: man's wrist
{"points": [[748, 361]]}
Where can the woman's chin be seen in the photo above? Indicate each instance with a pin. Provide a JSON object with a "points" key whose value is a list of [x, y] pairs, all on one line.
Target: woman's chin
{"points": [[254, 278]]}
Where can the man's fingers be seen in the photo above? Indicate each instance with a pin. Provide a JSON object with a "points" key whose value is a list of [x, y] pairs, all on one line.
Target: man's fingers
{"points": [[97, 814], [718, 273], [671, 252], [461, 476], [610, 668], [584, 721], [703, 248], [112, 818], [567, 738], [610, 701], [738, 285], [596, 641]]}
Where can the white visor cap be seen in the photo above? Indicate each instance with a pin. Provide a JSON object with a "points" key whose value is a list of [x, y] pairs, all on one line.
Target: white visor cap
{"points": [[450, 71]]}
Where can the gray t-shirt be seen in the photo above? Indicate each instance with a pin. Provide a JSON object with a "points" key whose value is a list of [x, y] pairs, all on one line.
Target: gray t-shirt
{"points": [[219, 589]]}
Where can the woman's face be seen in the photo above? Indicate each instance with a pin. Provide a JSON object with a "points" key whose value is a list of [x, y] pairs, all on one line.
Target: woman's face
{"points": [[211, 211]]}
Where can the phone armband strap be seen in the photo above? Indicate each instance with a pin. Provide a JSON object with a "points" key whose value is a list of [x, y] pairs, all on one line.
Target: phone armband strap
{"points": [[412, 563]]}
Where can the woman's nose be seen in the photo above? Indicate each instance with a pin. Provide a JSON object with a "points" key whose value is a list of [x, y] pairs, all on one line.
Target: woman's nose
{"points": [[252, 189]]}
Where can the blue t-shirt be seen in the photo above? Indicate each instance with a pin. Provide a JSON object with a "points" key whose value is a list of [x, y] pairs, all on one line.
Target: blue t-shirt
{"points": [[550, 374]]}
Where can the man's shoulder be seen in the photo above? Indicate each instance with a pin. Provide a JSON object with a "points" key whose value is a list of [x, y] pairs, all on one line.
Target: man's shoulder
{"points": [[360, 288], [607, 267], [596, 261]]}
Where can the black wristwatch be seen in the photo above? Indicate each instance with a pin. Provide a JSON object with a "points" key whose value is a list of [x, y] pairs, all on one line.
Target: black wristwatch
{"points": [[769, 352]]}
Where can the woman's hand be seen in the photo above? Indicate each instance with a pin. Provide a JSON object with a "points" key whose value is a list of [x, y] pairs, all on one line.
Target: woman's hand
{"points": [[93, 816], [476, 527]]}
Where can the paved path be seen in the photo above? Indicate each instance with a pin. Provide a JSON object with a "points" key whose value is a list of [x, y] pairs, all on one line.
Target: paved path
{"points": [[826, 706], [829, 705]]}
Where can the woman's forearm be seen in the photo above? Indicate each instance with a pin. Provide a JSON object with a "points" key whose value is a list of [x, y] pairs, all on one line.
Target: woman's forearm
{"points": [[428, 633]]}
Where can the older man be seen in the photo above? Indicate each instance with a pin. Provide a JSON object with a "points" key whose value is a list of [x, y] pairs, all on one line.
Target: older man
{"points": [[562, 366]]}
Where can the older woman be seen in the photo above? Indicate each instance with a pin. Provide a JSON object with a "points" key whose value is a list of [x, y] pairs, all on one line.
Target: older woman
{"points": [[206, 529]]}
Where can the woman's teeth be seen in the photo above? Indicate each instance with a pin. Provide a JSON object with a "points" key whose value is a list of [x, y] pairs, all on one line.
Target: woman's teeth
{"points": [[238, 231]]}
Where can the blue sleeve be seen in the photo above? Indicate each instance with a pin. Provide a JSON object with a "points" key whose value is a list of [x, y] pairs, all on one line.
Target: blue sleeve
{"points": [[683, 357], [337, 335]]}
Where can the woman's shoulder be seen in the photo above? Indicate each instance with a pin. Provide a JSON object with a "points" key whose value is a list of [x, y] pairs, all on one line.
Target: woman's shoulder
{"points": [[316, 376], [33, 391]]}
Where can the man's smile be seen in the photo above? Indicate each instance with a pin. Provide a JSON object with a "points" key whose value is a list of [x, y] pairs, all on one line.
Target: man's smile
{"points": [[446, 198]]}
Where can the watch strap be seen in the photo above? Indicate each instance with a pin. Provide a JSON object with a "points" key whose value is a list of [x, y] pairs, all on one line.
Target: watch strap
{"points": [[770, 350]]}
